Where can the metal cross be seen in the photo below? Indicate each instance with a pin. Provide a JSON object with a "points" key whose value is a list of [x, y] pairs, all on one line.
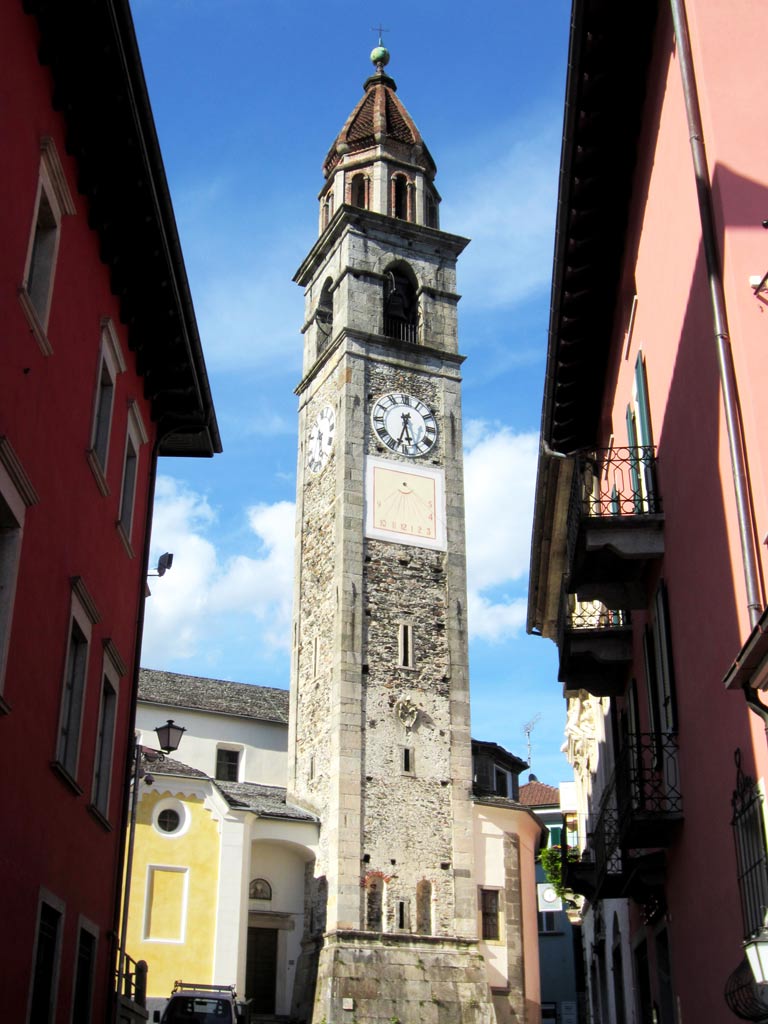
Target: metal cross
{"points": [[380, 30]]}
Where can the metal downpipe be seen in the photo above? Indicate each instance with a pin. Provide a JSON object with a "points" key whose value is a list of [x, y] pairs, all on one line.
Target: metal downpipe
{"points": [[727, 373]]}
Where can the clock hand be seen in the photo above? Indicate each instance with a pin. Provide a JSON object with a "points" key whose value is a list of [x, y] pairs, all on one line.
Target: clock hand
{"points": [[405, 433]]}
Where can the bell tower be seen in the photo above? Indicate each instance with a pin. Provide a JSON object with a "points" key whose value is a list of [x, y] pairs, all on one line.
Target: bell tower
{"points": [[380, 733]]}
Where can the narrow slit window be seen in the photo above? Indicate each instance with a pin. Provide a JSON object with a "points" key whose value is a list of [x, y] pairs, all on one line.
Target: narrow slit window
{"points": [[405, 645], [408, 760], [401, 915]]}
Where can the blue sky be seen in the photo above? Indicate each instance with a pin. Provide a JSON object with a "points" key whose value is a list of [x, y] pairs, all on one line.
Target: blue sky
{"points": [[248, 96]]}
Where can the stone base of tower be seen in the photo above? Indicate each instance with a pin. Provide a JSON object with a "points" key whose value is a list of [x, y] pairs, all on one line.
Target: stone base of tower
{"points": [[369, 978]]}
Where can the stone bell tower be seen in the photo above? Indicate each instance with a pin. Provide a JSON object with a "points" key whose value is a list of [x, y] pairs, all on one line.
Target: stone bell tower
{"points": [[380, 741]]}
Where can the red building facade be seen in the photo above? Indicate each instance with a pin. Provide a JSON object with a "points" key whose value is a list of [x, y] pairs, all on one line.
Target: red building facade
{"points": [[101, 371], [649, 560]]}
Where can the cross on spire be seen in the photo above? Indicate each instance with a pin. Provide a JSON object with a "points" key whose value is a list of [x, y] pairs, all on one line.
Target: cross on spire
{"points": [[380, 30]]}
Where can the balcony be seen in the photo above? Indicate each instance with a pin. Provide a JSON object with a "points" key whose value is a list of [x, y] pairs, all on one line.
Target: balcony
{"points": [[648, 791], [615, 526], [595, 645], [599, 873]]}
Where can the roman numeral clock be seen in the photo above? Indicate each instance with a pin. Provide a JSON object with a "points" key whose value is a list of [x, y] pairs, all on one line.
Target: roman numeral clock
{"points": [[379, 740]]}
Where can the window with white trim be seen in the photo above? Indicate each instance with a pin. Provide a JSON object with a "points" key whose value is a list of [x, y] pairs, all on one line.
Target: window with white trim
{"points": [[81, 619], [16, 495], [52, 201], [47, 956], [135, 437], [111, 363], [105, 736]]}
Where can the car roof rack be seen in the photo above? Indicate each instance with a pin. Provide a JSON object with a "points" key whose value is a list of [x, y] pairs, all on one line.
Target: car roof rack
{"points": [[189, 986]]}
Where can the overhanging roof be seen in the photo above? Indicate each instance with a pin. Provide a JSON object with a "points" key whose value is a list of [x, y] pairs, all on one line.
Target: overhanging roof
{"points": [[610, 46], [99, 87]]}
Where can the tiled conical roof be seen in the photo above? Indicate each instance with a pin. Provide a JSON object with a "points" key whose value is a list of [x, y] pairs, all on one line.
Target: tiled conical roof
{"points": [[379, 118]]}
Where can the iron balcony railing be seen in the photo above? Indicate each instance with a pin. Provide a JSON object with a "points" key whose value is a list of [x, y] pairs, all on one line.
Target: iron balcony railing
{"points": [[648, 788], [583, 616], [400, 330], [751, 854], [611, 482], [604, 839], [619, 482]]}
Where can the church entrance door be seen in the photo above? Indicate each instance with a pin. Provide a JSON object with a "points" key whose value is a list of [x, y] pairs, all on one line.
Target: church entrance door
{"points": [[261, 969]]}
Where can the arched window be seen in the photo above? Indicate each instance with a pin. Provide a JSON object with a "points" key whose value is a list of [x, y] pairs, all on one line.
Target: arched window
{"points": [[400, 197], [359, 191], [401, 307], [424, 907], [324, 315], [327, 209], [260, 889]]}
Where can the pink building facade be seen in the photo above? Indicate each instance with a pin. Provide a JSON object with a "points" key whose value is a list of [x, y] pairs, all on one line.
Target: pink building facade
{"points": [[649, 547]]}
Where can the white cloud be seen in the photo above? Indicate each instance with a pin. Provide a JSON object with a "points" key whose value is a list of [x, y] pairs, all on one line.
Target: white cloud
{"points": [[506, 206], [212, 595], [208, 594], [499, 484]]}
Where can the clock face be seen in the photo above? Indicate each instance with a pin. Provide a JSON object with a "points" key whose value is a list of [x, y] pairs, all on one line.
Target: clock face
{"points": [[405, 424], [320, 440]]}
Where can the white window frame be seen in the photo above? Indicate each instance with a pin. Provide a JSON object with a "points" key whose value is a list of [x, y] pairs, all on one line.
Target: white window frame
{"points": [[17, 495], [84, 615], [135, 437], [59, 906], [110, 364], [112, 670], [52, 188]]}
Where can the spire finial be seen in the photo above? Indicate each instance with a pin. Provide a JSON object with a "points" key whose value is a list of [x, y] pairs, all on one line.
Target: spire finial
{"points": [[380, 54]]}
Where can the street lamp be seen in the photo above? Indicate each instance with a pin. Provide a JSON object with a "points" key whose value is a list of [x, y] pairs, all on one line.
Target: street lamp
{"points": [[756, 948], [168, 738]]}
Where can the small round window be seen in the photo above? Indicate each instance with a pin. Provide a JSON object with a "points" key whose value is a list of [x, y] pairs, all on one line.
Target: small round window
{"points": [[170, 817], [168, 820]]}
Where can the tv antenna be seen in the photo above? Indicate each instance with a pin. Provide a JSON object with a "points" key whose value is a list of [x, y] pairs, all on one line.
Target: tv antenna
{"points": [[528, 729]]}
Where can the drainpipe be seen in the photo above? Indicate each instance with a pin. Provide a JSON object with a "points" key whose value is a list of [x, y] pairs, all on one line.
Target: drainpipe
{"points": [[726, 369], [719, 314]]}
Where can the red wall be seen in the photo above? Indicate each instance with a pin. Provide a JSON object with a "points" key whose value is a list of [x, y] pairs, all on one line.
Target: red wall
{"points": [[48, 837]]}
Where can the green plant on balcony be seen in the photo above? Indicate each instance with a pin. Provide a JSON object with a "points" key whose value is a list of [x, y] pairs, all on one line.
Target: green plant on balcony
{"points": [[551, 861]]}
